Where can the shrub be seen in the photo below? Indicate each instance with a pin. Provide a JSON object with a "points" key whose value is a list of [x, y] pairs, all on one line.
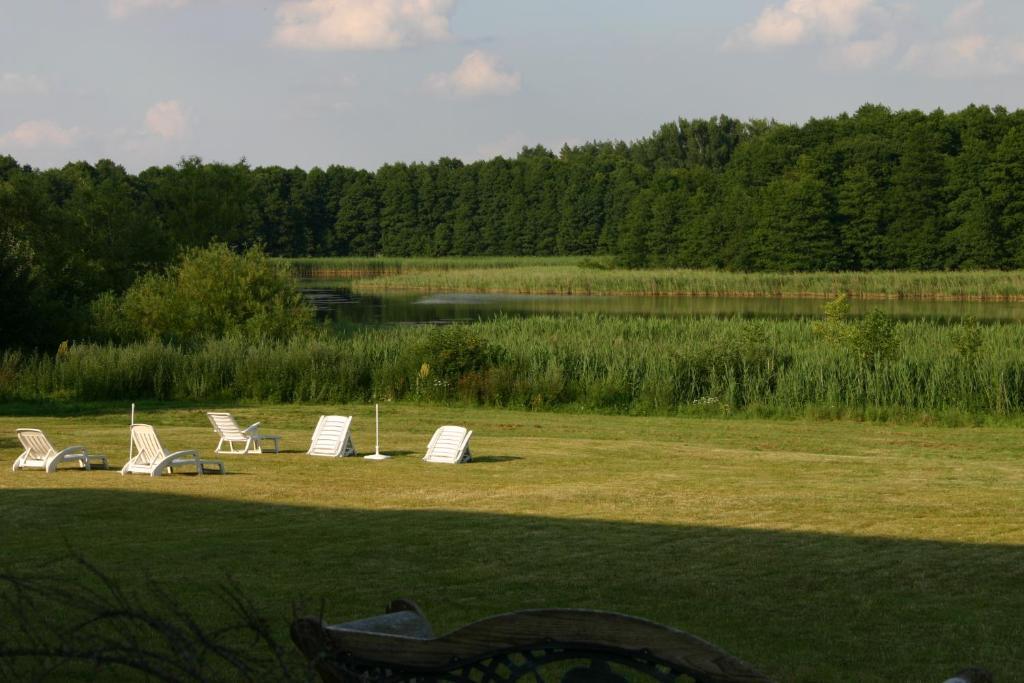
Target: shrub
{"points": [[210, 293], [966, 338], [875, 337], [453, 354], [872, 339]]}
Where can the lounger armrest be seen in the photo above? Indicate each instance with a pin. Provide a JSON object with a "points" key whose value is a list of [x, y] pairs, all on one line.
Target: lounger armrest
{"points": [[71, 450], [252, 429], [176, 454]]}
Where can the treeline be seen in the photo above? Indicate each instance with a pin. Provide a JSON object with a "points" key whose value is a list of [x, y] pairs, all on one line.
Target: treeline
{"points": [[875, 190]]}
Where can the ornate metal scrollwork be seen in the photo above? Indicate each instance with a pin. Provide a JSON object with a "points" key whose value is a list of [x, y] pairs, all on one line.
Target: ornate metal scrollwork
{"points": [[533, 646]]}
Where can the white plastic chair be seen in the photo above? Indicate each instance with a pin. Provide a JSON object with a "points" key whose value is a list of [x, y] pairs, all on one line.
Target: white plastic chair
{"points": [[450, 444], [39, 454], [332, 437], [230, 434], [153, 459]]}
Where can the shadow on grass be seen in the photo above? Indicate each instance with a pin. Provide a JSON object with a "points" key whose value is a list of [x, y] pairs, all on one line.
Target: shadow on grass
{"points": [[799, 606], [359, 454], [393, 453], [495, 458]]}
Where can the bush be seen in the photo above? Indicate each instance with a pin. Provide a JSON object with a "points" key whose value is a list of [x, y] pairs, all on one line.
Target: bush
{"points": [[966, 338], [210, 293], [455, 356], [872, 339]]}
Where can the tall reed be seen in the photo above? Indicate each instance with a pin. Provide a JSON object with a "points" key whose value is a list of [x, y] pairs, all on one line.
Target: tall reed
{"points": [[615, 364], [375, 266], [527, 278]]}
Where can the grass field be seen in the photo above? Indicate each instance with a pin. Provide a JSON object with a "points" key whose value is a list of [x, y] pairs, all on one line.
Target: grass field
{"points": [[526, 277], [819, 551]]}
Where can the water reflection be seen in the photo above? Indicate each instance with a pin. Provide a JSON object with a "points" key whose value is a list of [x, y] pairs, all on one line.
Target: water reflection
{"points": [[341, 304]]}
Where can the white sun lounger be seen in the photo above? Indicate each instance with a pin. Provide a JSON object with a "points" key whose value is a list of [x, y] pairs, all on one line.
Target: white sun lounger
{"points": [[153, 459], [40, 454], [332, 437], [231, 434], [450, 444]]}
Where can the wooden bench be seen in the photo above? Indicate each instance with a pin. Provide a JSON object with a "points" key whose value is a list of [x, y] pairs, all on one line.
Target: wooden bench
{"points": [[566, 645]]}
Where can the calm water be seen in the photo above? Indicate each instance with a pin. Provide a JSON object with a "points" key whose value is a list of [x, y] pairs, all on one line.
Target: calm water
{"points": [[339, 303]]}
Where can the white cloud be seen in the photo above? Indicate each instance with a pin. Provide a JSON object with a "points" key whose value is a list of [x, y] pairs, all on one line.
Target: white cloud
{"points": [[478, 74], [865, 33], [862, 54], [22, 84], [855, 33], [122, 8], [966, 15], [965, 50], [361, 24], [967, 55], [800, 21], [167, 119], [41, 133]]}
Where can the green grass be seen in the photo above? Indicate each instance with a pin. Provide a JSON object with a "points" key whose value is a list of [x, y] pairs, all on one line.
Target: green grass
{"points": [[613, 364], [819, 551], [529, 278]]}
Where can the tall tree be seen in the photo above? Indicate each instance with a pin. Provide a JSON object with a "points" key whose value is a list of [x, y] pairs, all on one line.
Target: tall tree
{"points": [[356, 230]]}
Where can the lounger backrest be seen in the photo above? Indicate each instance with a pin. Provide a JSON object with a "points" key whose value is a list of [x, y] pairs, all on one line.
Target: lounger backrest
{"points": [[330, 435], [226, 425], [147, 447], [448, 444], [36, 443]]}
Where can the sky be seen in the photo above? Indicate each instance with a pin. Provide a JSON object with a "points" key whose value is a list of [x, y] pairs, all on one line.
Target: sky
{"points": [[366, 82]]}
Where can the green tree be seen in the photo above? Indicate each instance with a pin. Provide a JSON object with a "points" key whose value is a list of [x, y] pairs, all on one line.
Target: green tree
{"points": [[400, 232], [209, 293], [1004, 182], [356, 230], [915, 201]]}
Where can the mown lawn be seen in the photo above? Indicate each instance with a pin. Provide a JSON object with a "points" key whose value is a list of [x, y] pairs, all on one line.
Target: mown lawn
{"points": [[818, 551]]}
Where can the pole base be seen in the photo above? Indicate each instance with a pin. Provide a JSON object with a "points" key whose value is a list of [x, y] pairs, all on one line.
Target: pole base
{"points": [[376, 456]]}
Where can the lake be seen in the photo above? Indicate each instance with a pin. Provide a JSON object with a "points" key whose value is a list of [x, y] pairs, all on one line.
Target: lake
{"points": [[339, 303]]}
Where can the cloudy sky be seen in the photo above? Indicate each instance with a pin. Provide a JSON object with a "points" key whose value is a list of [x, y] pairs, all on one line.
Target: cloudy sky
{"points": [[363, 82]]}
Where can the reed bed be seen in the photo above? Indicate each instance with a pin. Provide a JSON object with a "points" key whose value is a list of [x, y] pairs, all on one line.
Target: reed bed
{"points": [[375, 266], [527, 278], [654, 366]]}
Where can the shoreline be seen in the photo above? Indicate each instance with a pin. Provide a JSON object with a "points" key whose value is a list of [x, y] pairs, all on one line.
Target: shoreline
{"points": [[367, 286]]}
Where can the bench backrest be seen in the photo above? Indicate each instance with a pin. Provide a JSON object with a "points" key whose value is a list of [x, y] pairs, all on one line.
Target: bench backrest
{"points": [[225, 424], [147, 446], [330, 435], [448, 444], [36, 443], [565, 645]]}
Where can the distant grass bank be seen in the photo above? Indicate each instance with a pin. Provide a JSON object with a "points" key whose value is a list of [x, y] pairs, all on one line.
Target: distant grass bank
{"points": [[339, 267], [575, 279], [610, 364], [820, 552]]}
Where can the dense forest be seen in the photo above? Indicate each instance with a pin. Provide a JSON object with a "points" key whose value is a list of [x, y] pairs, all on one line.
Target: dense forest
{"points": [[879, 189]]}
